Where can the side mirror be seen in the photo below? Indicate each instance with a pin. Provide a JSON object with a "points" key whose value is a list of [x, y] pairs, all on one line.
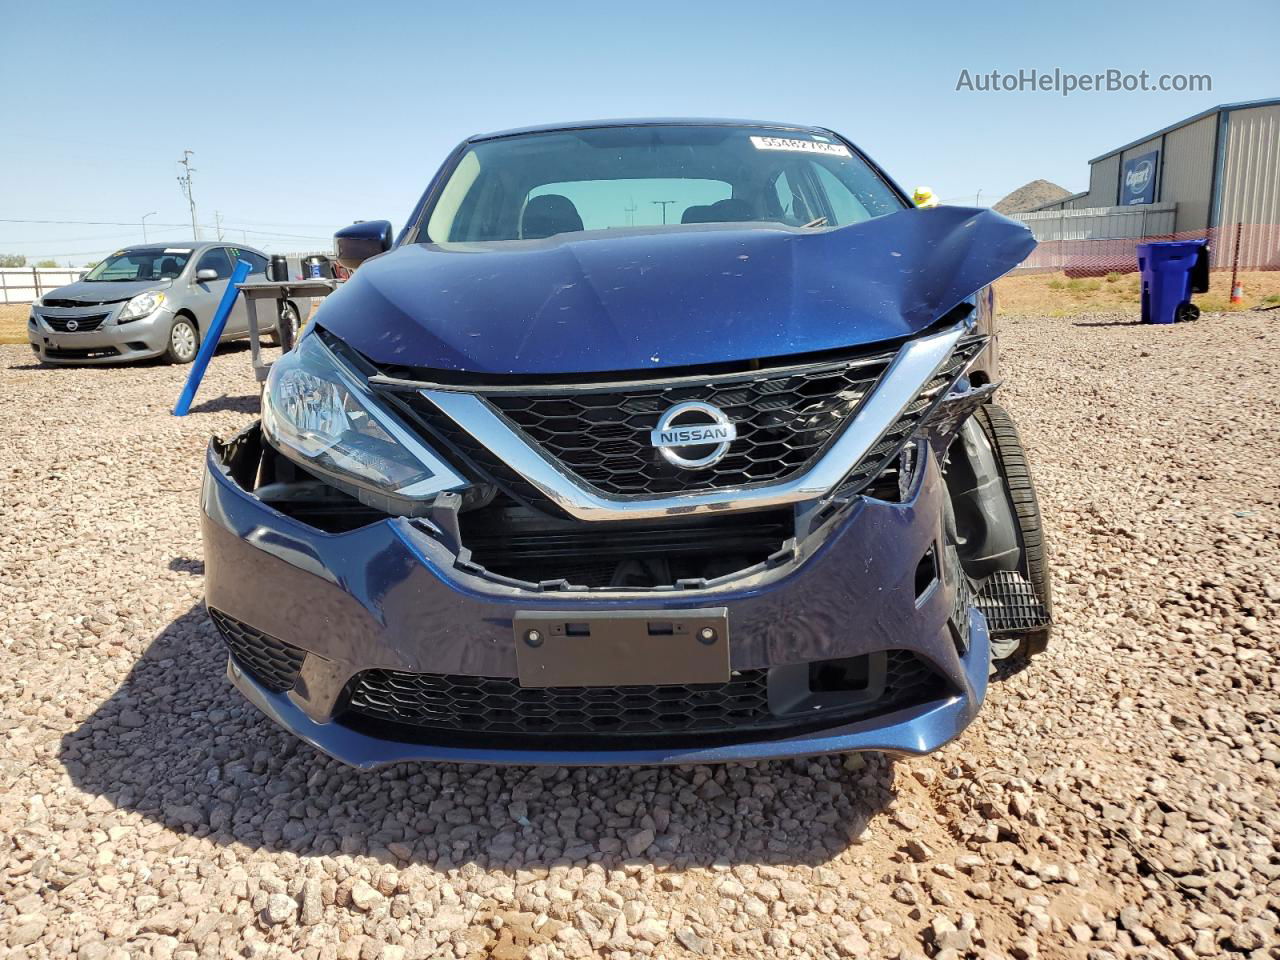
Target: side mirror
{"points": [[205, 275], [355, 244]]}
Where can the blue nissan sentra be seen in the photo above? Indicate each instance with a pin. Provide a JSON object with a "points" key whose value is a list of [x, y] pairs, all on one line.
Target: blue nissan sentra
{"points": [[657, 441]]}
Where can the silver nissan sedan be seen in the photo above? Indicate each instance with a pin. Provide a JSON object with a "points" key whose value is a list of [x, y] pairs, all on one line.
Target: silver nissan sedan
{"points": [[148, 301]]}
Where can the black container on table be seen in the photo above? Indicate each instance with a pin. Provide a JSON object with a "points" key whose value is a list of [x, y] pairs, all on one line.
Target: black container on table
{"points": [[317, 267], [279, 268]]}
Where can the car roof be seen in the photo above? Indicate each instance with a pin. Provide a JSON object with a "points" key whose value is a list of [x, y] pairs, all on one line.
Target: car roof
{"points": [[650, 122], [192, 245]]}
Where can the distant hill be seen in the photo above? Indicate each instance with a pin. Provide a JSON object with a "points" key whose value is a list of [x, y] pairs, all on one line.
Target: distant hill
{"points": [[1029, 196]]}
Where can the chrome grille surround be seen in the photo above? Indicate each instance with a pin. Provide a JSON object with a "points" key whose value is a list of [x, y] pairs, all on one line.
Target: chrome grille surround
{"points": [[783, 420], [916, 379]]}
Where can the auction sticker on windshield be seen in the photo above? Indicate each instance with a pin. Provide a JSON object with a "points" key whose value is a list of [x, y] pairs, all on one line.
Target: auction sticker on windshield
{"points": [[800, 146]]}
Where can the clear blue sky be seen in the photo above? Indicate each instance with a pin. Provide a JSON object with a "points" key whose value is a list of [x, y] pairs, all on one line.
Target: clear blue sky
{"points": [[305, 116]]}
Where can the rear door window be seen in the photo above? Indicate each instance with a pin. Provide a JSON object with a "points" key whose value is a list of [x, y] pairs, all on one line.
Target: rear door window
{"points": [[257, 262]]}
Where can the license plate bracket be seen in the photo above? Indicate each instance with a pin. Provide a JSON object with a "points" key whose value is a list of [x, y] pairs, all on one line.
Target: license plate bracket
{"points": [[621, 648]]}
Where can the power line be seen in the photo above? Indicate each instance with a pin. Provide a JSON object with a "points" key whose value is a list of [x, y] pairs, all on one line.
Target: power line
{"points": [[105, 236], [233, 224], [277, 223], [92, 223], [73, 253], [134, 223], [86, 253]]}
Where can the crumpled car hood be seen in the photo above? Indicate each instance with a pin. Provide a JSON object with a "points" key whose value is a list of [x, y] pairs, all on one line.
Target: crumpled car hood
{"points": [[106, 292], [643, 299]]}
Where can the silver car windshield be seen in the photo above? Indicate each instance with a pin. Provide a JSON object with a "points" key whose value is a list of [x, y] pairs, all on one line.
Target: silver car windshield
{"points": [[149, 263], [538, 185]]}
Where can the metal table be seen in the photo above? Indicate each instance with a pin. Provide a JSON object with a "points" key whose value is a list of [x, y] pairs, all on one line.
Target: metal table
{"points": [[279, 291]]}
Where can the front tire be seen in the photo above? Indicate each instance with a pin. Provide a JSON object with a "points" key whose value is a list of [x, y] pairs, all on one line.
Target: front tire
{"points": [[184, 341], [1012, 462], [288, 325]]}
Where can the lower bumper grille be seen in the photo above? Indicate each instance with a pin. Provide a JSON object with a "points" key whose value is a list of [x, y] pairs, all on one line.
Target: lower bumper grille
{"points": [[87, 353], [424, 707], [271, 662], [526, 545]]}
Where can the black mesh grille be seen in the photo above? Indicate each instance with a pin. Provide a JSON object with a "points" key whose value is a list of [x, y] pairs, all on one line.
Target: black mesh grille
{"points": [[784, 420], [590, 457], [83, 324], [273, 663], [415, 704], [962, 602], [917, 411], [1009, 602]]}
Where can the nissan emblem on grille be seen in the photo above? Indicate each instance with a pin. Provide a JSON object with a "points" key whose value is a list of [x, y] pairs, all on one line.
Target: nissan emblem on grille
{"points": [[73, 326], [698, 428]]}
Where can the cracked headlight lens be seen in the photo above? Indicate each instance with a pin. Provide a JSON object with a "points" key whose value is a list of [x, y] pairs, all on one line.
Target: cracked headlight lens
{"points": [[320, 414]]}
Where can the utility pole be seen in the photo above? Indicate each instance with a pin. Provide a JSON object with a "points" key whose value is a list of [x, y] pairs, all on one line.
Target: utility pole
{"points": [[217, 222], [663, 205], [631, 213], [978, 198], [184, 181], [144, 224]]}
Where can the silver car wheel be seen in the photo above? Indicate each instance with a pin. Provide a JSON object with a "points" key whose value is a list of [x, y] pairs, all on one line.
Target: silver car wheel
{"points": [[183, 340]]}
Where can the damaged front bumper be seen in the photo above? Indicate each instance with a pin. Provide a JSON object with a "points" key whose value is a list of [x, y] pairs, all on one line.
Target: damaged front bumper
{"points": [[382, 643]]}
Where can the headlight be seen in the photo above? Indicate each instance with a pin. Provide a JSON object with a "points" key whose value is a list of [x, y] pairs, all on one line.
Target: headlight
{"points": [[318, 413], [140, 306]]}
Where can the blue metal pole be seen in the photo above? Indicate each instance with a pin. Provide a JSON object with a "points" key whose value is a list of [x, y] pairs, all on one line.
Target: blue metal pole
{"points": [[211, 338]]}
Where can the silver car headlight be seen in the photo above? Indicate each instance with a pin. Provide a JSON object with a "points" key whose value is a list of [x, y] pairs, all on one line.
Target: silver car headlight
{"points": [[318, 413], [140, 306]]}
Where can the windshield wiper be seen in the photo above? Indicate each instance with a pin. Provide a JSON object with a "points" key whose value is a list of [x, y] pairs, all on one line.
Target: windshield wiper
{"points": [[820, 222]]}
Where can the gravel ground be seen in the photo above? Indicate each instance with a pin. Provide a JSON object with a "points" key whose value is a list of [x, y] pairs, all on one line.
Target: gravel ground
{"points": [[1116, 799]]}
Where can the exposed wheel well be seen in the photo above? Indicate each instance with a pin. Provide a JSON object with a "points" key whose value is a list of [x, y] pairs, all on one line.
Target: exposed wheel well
{"points": [[188, 315]]}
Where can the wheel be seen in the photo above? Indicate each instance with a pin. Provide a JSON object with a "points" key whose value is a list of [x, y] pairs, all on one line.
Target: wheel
{"points": [[184, 340], [1012, 462], [1186, 312], [286, 334]]}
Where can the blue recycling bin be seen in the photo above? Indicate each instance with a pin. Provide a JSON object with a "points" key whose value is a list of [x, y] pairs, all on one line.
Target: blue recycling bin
{"points": [[1167, 271]]}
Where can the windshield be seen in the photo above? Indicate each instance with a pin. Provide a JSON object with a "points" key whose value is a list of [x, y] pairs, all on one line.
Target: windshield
{"points": [[144, 263], [539, 185]]}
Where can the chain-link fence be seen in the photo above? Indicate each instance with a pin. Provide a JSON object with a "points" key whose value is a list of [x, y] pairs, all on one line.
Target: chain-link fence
{"points": [[1251, 246]]}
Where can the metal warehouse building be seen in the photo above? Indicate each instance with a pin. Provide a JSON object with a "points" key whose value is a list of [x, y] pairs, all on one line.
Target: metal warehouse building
{"points": [[1199, 177]]}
